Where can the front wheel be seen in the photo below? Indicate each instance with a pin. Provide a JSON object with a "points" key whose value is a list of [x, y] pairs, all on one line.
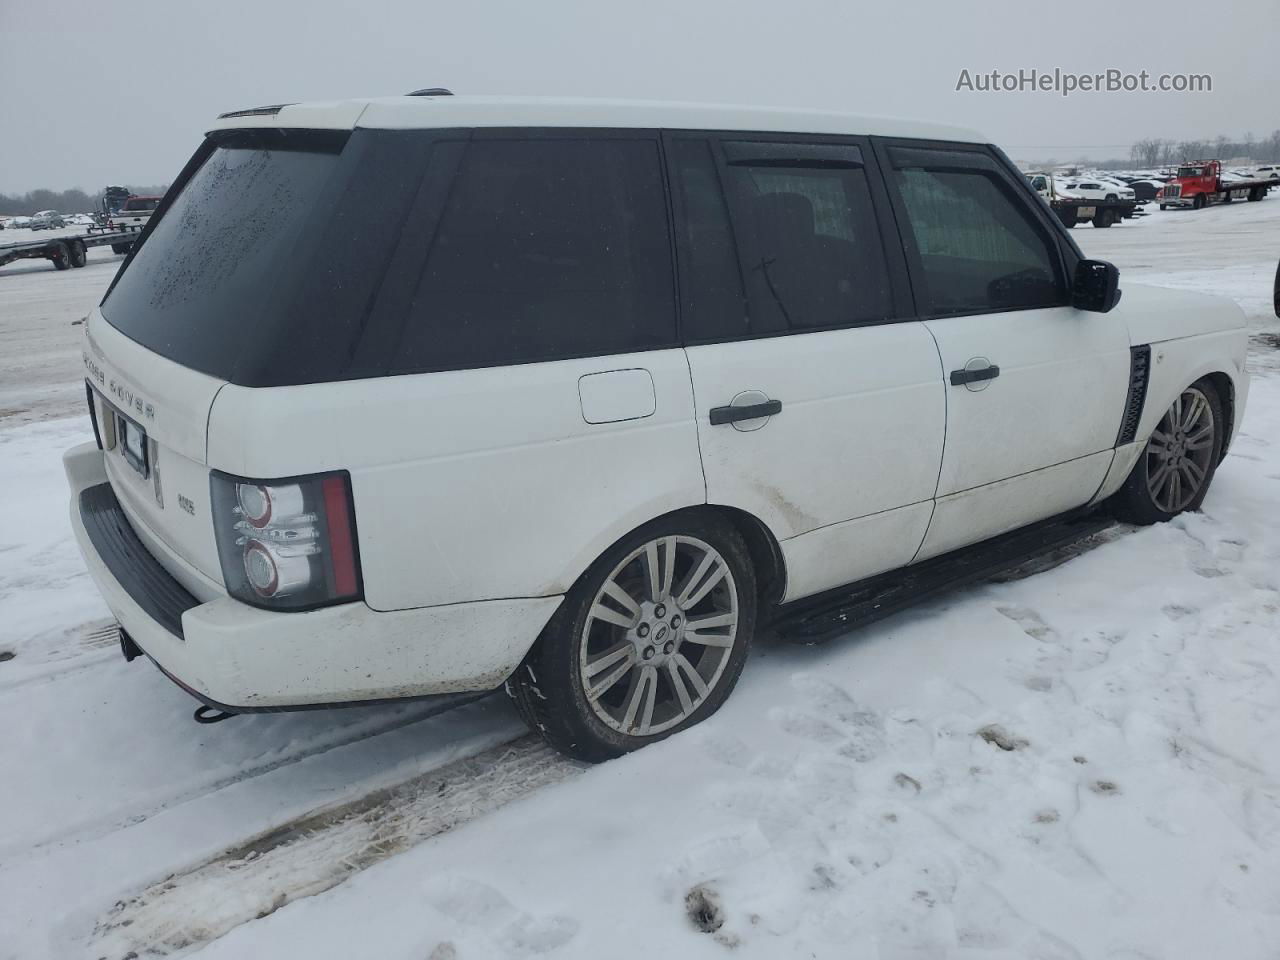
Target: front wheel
{"points": [[1174, 471], [650, 640]]}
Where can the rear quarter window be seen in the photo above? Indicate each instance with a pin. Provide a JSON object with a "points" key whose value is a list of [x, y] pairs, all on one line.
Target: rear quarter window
{"points": [[545, 249]]}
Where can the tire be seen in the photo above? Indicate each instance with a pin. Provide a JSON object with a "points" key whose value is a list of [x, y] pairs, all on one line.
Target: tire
{"points": [[61, 257], [1198, 202], [1257, 193], [1164, 206], [120, 247], [79, 255], [635, 700], [1069, 220], [1112, 196], [1104, 218], [1143, 501]]}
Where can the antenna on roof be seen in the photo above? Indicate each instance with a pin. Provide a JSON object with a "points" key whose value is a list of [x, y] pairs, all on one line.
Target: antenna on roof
{"points": [[431, 92]]}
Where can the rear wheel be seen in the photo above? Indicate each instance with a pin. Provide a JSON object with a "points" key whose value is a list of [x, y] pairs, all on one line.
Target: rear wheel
{"points": [[61, 257], [79, 256], [1173, 473], [649, 641], [1104, 218], [120, 247]]}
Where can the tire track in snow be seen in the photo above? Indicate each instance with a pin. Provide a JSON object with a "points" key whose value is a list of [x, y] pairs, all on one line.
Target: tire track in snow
{"points": [[118, 820], [320, 850], [83, 646]]}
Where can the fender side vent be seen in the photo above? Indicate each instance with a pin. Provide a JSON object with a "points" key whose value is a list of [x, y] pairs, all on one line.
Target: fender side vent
{"points": [[1139, 374]]}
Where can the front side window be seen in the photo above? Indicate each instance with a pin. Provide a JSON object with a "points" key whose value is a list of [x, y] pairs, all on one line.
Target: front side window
{"points": [[980, 248]]}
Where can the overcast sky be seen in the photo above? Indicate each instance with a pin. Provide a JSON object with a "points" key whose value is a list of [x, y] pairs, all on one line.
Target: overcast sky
{"points": [[94, 92]]}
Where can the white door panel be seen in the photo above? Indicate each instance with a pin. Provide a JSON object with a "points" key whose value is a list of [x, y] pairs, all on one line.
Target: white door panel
{"points": [[844, 552], [860, 431], [1059, 396], [987, 511]]}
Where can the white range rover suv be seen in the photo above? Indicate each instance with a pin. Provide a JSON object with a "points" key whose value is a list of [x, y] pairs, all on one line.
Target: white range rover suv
{"points": [[431, 394]]}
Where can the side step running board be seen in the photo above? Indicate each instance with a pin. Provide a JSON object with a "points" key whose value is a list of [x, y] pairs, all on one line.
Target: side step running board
{"points": [[828, 615]]}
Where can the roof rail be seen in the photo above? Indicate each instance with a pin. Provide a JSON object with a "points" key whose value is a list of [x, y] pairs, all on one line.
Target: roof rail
{"points": [[430, 92], [255, 111]]}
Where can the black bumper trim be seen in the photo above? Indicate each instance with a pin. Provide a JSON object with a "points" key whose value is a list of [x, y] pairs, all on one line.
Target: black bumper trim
{"points": [[150, 585]]}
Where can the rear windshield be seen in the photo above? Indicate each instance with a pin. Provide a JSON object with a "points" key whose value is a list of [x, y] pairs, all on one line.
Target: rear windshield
{"points": [[292, 257]]}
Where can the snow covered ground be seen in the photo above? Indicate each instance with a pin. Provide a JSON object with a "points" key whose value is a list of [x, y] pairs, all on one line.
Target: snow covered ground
{"points": [[1078, 762]]}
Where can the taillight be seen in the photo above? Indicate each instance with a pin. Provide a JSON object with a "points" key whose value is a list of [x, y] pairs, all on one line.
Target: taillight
{"points": [[287, 544]]}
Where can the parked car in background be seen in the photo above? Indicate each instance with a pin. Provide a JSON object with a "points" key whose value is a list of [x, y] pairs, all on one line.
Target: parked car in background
{"points": [[46, 220], [1269, 171], [1144, 190], [570, 396], [18, 223], [1091, 189]]}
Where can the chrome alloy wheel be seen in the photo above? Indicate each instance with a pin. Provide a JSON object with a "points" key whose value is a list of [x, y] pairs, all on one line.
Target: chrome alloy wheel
{"points": [[658, 636], [1179, 453]]}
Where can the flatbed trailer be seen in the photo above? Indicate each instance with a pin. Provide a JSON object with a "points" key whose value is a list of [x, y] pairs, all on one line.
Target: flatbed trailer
{"points": [[1073, 209], [69, 251], [1101, 213]]}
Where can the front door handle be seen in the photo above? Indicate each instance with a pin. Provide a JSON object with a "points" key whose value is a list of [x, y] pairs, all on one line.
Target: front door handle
{"points": [[751, 411], [961, 377]]}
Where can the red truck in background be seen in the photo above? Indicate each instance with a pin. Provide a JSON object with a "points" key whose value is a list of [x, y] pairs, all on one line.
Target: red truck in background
{"points": [[1199, 183]]}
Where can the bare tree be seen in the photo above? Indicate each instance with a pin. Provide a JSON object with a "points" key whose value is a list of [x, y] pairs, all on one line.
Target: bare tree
{"points": [[1145, 153]]}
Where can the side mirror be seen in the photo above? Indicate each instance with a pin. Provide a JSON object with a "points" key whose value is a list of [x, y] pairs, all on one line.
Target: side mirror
{"points": [[1096, 286]]}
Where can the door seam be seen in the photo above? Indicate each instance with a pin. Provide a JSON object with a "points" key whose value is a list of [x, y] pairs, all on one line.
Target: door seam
{"points": [[946, 423]]}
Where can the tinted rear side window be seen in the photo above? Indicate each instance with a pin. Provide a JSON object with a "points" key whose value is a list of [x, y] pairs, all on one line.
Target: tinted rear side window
{"points": [[547, 248], [795, 248]]}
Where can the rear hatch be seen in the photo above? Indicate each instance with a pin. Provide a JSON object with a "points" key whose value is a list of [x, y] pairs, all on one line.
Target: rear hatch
{"points": [[265, 267], [198, 305], [151, 416]]}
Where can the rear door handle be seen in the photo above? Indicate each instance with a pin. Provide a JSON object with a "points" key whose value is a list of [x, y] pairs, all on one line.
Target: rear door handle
{"points": [[752, 411], [961, 377]]}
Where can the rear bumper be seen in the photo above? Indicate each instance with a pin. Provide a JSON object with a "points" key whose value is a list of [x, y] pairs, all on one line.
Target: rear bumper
{"points": [[230, 654]]}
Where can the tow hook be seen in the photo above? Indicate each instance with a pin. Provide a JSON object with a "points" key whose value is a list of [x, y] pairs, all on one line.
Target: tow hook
{"points": [[207, 714]]}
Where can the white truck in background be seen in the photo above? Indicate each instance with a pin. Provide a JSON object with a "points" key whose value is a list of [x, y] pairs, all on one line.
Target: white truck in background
{"points": [[1071, 208], [131, 218]]}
